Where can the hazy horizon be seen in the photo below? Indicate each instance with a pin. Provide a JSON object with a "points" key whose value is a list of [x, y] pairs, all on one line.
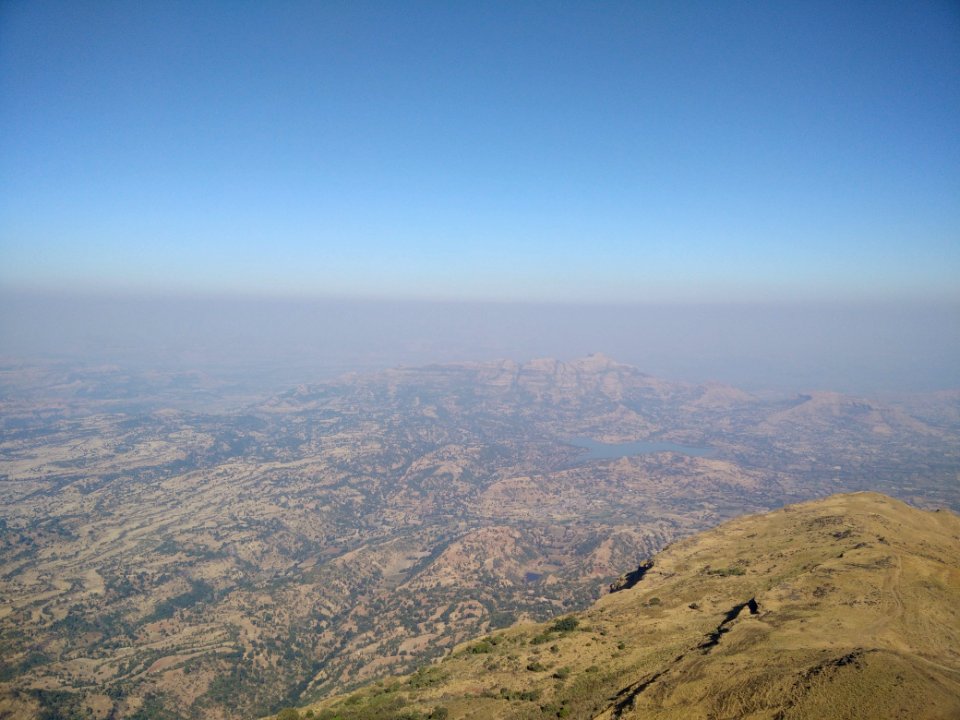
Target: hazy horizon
{"points": [[275, 343]]}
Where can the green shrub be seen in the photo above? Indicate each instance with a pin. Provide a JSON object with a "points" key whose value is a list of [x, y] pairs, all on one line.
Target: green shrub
{"points": [[566, 624], [724, 572], [526, 695], [427, 676]]}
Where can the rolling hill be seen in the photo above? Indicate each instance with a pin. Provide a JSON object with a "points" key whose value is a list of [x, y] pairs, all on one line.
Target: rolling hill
{"points": [[164, 560], [845, 607]]}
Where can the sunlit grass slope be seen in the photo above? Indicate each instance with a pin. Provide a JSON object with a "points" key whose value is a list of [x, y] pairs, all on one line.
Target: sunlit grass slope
{"points": [[847, 607]]}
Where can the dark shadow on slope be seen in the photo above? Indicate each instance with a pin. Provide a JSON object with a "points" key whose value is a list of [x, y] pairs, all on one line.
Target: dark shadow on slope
{"points": [[627, 581], [626, 698], [733, 613]]}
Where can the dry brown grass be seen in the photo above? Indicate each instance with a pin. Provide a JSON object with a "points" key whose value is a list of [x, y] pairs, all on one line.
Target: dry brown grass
{"points": [[857, 617]]}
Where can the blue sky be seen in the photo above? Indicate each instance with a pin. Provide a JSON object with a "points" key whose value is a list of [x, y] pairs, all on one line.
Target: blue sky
{"points": [[583, 152]]}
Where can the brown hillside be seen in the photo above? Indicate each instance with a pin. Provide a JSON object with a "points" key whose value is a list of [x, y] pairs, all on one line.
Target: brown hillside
{"points": [[846, 607]]}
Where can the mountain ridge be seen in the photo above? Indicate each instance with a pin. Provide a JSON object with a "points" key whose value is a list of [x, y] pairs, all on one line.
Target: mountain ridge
{"points": [[838, 607]]}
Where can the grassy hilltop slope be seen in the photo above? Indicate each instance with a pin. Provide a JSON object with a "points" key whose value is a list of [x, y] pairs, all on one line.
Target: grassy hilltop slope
{"points": [[843, 607]]}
